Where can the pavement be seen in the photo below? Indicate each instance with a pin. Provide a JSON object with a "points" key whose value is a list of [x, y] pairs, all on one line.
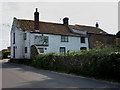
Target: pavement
{"points": [[21, 76]]}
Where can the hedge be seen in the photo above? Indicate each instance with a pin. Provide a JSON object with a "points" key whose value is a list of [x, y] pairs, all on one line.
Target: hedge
{"points": [[97, 63]]}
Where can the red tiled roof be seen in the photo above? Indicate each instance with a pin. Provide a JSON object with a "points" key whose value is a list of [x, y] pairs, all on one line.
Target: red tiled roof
{"points": [[4, 50], [89, 29], [55, 28]]}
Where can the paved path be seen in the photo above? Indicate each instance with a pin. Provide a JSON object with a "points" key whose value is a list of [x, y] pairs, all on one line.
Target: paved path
{"points": [[20, 76]]}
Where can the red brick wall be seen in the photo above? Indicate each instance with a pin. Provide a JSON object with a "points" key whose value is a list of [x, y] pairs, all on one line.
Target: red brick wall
{"points": [[118, 42], [101, 40]]}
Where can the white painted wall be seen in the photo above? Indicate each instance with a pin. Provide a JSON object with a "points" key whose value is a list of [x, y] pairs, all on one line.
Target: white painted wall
{"points": [[27, 44], [19, 43], [55, 43]]}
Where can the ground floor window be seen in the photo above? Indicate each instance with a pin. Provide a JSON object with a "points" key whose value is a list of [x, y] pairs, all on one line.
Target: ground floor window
{"points": [[14, 52], [83, 48], [41, 50], [25, 49], [62, 50]]}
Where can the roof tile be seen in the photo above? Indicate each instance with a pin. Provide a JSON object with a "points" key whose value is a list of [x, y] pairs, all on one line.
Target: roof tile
{"points": [[56, 28]]}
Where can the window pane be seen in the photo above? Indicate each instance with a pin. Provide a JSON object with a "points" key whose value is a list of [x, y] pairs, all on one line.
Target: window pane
{"points": [[83, 48], [62, 50], [64, 38], [25, 49], [82, 39], [25, 36], [14, 52], [41, 50], [13, 38]]}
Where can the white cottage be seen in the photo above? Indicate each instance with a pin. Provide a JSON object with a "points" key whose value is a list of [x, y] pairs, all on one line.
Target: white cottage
{"points": [[48, 37]]}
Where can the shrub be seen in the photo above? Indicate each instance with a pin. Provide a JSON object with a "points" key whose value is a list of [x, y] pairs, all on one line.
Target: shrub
{"points": [[5, 54], [98, 63]]}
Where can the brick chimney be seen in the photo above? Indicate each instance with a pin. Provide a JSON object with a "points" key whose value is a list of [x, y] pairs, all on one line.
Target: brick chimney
{"points": [[36, 20], [65, 21]]}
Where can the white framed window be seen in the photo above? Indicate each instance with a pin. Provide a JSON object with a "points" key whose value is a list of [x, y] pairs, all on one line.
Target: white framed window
{"points": [[82, 39], [25, 36], [62, 50], [25, 49], [41, 50], [64, 39], [83, 48], [14, 38]]}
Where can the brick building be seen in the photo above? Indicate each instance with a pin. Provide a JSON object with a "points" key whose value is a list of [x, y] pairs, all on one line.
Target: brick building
{"points": [[101, 40]]}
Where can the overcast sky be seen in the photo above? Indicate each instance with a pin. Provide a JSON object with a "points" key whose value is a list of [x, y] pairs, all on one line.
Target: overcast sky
{"points": [[82, 13]]}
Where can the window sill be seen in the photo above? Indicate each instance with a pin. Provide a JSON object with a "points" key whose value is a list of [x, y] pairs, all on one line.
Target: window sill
{"points": [[64, 41]]}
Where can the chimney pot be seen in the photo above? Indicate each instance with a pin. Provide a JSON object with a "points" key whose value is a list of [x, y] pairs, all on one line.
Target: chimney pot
{"points": [[36, 9], [97, 25], [65, 21]]}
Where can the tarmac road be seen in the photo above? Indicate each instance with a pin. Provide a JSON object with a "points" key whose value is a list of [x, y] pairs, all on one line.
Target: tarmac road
{"points": [[20, 76]]}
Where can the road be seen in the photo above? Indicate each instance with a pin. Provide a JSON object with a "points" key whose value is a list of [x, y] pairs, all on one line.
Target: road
{"points": [[20, 76]]}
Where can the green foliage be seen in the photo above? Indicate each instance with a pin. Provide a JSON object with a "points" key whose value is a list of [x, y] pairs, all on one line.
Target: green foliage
{"points": [[98, 63], [98, 44], [5, 54], [68, 52], [118, 34], [71, 52]]}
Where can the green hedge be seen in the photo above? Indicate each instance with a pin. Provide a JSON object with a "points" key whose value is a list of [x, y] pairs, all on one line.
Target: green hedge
{"points": [[97, 63]]}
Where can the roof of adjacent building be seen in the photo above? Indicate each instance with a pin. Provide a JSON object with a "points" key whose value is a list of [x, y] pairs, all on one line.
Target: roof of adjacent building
{"points": [[55, 28]]}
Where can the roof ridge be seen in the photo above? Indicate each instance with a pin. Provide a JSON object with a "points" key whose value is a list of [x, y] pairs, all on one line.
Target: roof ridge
{"points": [[56, 28], [40, 21], [85, 26], [56, 23]]}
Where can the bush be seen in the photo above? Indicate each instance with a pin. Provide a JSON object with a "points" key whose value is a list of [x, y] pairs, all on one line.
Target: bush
{"points": [[97, 63], [5, 54]]}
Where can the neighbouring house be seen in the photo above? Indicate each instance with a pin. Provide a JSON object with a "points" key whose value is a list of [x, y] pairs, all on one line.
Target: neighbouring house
{"points": [[118, 39], [97, 36], [47, 37], [101, 40], [5, 52]]}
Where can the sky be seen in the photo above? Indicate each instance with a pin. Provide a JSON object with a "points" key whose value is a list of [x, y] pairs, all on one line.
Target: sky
{"points": [[83, 13]]}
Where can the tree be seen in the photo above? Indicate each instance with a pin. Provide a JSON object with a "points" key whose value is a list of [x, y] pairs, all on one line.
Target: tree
{"points": [[5, 54], [118, 34]]}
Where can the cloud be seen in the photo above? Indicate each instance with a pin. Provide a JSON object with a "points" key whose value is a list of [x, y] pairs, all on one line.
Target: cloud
{"points": [[6, 25], [60, 0], [22, 0], [12, 6]]}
